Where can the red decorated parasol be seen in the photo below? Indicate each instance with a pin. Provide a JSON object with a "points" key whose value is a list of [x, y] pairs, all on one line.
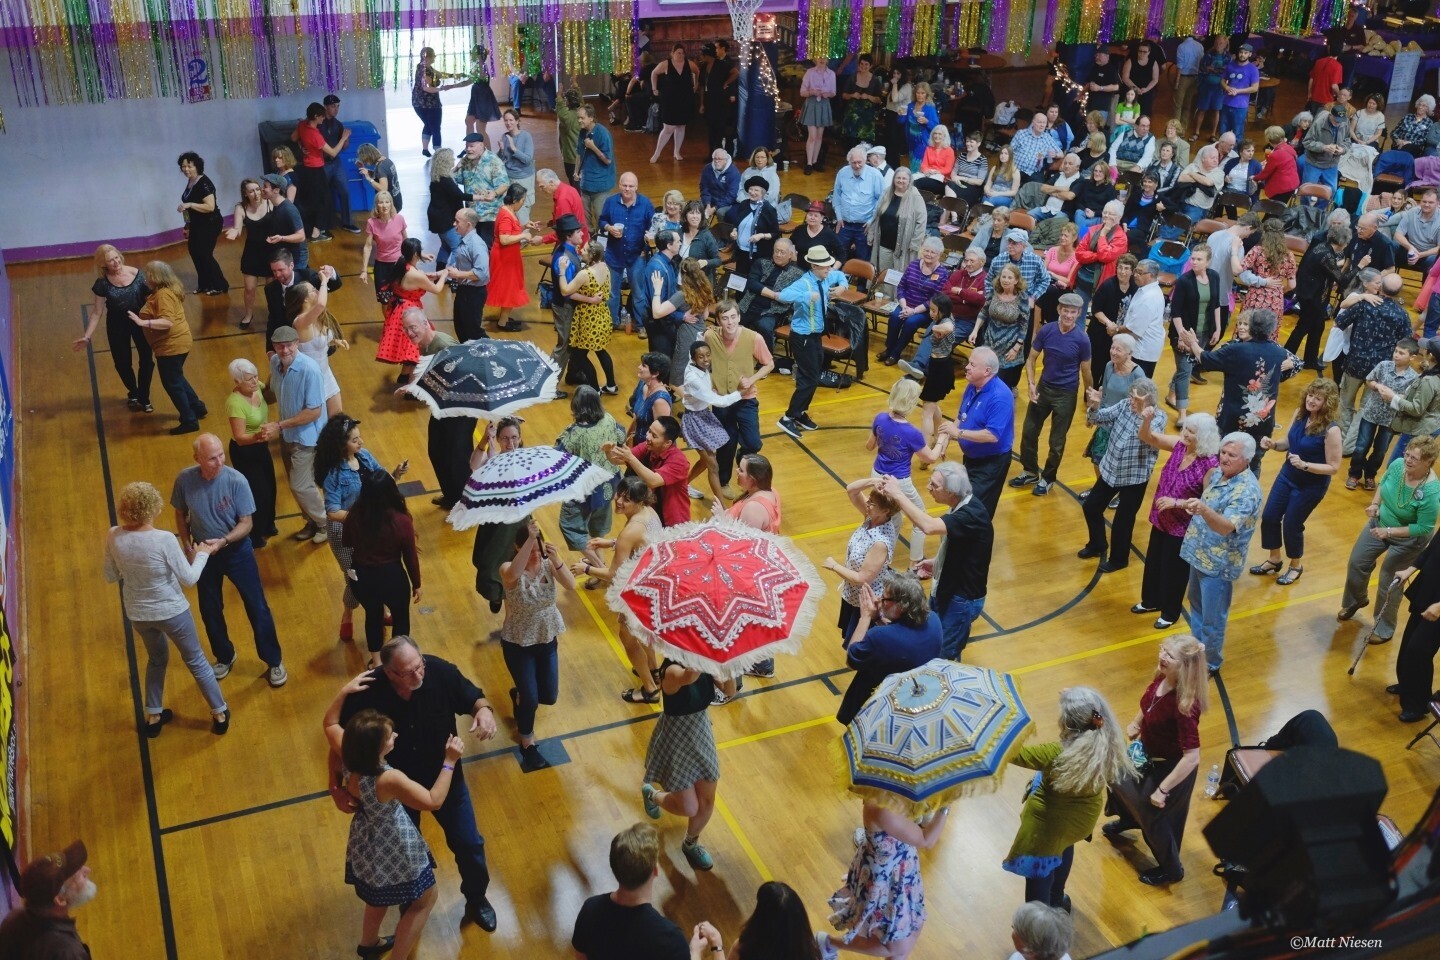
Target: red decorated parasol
{"points": [[718, 597]]}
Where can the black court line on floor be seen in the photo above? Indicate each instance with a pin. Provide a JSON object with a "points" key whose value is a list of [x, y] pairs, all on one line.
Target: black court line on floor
{"points": [[147, 774]]}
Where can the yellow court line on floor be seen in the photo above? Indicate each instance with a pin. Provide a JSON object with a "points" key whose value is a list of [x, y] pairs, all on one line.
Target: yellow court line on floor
{"points": [[609, 635], [1169, 631], [722, 808], [767, 734]]}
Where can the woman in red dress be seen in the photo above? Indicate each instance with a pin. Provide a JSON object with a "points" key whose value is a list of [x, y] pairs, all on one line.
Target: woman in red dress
{"points": [[507, 270], [406, 290]]}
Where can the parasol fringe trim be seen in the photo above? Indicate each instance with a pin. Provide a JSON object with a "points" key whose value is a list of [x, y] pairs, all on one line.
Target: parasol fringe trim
{"points": [[462, 517], [412, 389]]}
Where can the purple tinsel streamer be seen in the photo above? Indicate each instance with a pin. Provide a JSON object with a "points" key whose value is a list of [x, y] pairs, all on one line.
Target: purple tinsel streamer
{"points": [[264, 51], [1203, 14], [635, 37], [857, 24], [1052, 14], [999, 23], [490, 39], [907, 27], [802, 29], [1157, 18], [107, 42], [1107, 22]]}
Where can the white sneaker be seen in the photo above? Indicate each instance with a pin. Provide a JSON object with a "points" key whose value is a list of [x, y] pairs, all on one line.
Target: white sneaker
{"points": [[278, 676], [222, 670], [320, 535], [911, 370], [694, 494]]}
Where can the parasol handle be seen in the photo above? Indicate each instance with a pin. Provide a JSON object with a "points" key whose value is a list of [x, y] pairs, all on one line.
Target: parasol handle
{"points": [[915, 686]]}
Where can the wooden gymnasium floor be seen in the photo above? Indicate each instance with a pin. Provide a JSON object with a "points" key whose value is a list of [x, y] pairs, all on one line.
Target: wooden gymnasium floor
{"points": [[206, 847]]}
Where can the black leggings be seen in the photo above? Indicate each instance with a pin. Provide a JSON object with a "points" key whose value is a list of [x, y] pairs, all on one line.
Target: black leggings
{"points": [[1010, 376], [1051, 890], [585, 370], [378, 588], [121, 335], [429, 125], [202, 236]]}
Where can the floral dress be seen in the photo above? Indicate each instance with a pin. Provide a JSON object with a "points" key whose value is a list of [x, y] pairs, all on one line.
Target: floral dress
{"points": [[883, 896], [1268, 297], [395, 347], [859, 120], [386, 859], [590, 329]]}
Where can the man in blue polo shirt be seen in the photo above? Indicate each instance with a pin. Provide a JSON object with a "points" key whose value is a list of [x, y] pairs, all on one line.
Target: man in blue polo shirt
{"points": [[858, 187], [985, 427], [1066, 351], [1240, 83], [298, 388], [596, 174], [809, 298], [623, 222]]}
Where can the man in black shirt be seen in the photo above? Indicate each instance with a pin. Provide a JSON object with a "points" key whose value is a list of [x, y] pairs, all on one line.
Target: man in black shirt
{"points": [[1104, 82], [422, 695], [1253, 371], [283, 226], [1370, 248], [722, 86], [624, 925], [336, 136], [286, 273], [961, 567]]}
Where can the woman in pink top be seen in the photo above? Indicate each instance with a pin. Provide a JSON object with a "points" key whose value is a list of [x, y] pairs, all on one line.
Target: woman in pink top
{"points": [[817, 89], [1061, 262], [1193, 454], [758, 507], [384, 232]]}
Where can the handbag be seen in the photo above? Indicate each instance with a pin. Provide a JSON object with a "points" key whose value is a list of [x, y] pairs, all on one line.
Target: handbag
{"points": [[1337, 342]]}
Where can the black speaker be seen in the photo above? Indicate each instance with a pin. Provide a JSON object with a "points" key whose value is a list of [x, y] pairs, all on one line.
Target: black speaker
{"points": [[1304, 838]]}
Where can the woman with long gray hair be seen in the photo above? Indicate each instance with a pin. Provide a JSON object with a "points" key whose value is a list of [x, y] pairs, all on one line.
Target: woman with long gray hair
{"points": [[1064, 802]]}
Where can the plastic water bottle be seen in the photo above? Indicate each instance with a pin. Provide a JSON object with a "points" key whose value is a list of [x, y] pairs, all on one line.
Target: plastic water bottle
{"points": [[1212, 782]]}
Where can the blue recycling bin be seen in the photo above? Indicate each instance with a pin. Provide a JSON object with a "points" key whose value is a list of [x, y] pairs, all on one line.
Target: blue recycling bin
{"points": [[362, 196]]}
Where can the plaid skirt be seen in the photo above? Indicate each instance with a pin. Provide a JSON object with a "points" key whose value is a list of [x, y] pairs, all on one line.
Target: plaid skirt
{"points": [[703, 430], [682, 751]]}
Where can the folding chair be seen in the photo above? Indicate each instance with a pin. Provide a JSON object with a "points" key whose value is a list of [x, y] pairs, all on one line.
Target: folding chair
{"points": [[724, 234], [835, 342], [1202, 230], [1314, 195], [1429, 730], [860, 273], [1021, 219], [1268, 208]]}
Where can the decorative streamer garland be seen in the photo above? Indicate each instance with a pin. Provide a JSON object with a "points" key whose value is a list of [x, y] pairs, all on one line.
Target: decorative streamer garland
{"points": [[71, 51]]}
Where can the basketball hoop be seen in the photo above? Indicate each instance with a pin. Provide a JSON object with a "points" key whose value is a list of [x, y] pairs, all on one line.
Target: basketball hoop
{"points": [[742, 21]]}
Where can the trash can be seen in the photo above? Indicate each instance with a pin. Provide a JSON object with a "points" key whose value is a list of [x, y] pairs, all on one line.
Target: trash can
{"points": [[362, 195]]}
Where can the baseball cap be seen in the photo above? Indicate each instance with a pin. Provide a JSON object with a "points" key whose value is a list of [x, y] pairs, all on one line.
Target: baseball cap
{"points": [[1248, 48], [285, 335], [42, 879]]}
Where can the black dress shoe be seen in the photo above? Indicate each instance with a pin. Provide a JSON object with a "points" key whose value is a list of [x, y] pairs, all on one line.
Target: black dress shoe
{"points": [[1411, 716], [1158, 878], [1115, 827], [531, 760], [1089, 553], [378, 949], [561, 394], [152, 728], [1110, 566], [1393, 688], [483, 914]]}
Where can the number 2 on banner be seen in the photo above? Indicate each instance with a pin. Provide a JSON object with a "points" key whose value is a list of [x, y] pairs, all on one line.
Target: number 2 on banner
{"points": [[197, 71]]}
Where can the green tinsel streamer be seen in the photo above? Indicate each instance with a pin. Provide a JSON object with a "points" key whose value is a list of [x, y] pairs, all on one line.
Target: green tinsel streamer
{"points": [[82, 51], [984, 36], [1171, 12], [157, 19], [839, 32], [892, 28]]}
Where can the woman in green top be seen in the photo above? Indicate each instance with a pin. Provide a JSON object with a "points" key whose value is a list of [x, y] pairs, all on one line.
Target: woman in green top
{"points": [[1401, 518], [250, 446], [1068, 793], [569, 123]]}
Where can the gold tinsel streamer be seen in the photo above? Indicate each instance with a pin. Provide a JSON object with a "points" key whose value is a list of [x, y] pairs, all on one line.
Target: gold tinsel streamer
{"points": [[1089, 21], [1185, 17], [300, 57], [970, 24], [238, 71], [132, 37], [867, 31], [1022, 16]]}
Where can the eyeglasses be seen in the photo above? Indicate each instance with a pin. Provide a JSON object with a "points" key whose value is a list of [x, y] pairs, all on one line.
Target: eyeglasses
{"points": [[414, 671]]}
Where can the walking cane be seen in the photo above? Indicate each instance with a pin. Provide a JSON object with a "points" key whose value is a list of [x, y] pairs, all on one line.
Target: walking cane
{"points": [[1370, 637]]}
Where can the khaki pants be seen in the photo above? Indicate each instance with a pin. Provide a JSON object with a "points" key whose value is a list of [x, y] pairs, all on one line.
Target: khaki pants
{"points": [[1185, 87]]}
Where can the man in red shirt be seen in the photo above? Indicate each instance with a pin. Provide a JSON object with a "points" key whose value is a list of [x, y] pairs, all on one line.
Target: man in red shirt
{"points": [[567, 200], [663, 467], [312, 192], [1325, 79]]}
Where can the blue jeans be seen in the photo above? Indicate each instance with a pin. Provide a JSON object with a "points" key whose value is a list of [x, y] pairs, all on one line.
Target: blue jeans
{"points": [[1083, 223], [1209, 609], [1000, 201], [1432, 315], [456, 817], [742, 421], [955, 622], [1190, 210], [449, 240], [177, 388], [1371, 442], [853, 242], [899, 332], [1286, 510], [1233, 118], [158, 635], [578, 525], [1329, 176], [1180, 382], [536, 672], [237, 562], [635, 313]]}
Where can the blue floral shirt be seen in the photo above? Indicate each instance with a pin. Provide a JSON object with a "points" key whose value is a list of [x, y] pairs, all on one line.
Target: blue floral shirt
{"points": [[1213, 554]]}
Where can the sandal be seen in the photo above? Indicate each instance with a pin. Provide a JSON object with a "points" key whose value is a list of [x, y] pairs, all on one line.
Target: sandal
{"points": [[1290, 576], [1266, 568], [637, 695]]}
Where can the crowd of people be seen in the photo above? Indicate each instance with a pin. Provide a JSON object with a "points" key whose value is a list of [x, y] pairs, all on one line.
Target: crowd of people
{"points": [[1079, 303]]}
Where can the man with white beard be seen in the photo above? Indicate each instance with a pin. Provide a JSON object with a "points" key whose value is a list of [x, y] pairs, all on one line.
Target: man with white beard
{"points": [[41, 926]]}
